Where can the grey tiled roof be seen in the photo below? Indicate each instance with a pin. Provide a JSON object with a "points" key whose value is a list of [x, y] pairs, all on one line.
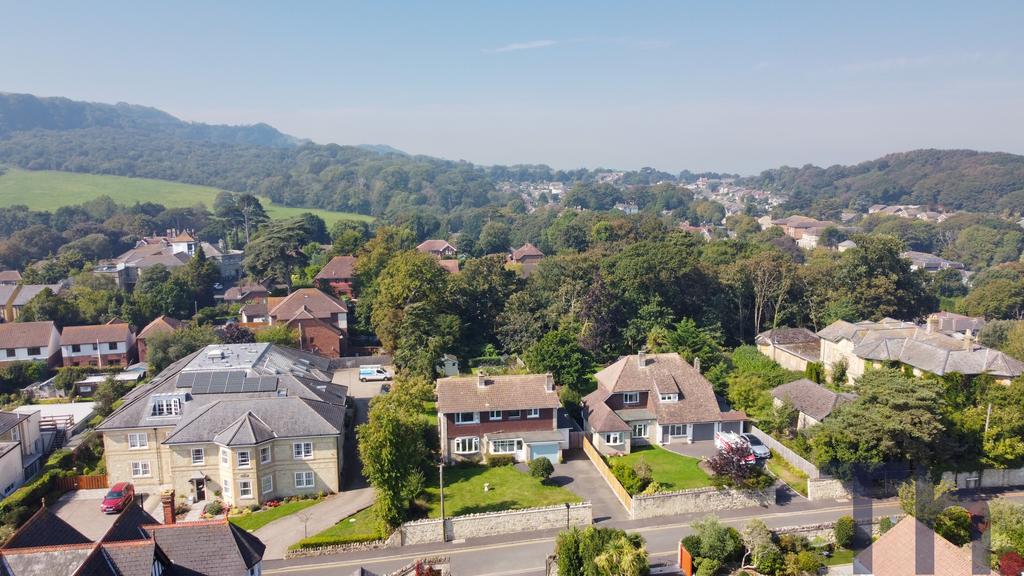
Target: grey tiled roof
{"points": [[45, 528], [798, 341], [128, 525], [50, 562], [283, 418], [811, 398], [248, 429], [131, 558], [9, 420], [214, 548]]}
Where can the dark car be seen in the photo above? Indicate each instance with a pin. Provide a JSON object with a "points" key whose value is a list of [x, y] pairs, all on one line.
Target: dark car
{"points": [[120, 496]]}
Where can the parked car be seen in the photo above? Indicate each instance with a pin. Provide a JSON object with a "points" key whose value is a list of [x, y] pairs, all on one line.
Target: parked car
{"points": [[723, 439], [373, 373], [761, 452], [119, 496]]}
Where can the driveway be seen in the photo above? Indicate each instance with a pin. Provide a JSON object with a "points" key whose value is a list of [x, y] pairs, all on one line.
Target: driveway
{"points": [[700, 449], [578, 474], [81, 509]]}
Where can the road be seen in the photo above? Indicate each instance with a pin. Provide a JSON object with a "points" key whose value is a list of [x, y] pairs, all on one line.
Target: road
{"points": [[525, 556]]}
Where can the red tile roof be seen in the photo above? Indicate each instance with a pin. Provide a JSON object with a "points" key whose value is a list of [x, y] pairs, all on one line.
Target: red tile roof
{"points": [[526, 250], [434, 246], [315, 301], [98, 333], [25, 334], [161, 325], [339, 268]]}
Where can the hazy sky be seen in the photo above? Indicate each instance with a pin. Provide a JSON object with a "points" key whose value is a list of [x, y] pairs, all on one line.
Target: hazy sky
{"points": [[717, 85]]}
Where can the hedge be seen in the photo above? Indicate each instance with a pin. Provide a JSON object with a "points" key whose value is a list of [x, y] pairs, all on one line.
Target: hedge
{"points": [[17, 507], [324, 541]]}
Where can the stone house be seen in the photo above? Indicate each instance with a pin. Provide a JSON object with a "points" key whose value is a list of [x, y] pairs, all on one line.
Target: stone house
{"points": [[792, 348], [246, 422], [517, 415], [111, 344], [161, 325], [29, 342], [654, 399], [812, 401]]}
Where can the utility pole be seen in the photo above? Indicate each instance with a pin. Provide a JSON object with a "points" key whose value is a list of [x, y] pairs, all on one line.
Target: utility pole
{"points": [[440, 472], [988, 416]]}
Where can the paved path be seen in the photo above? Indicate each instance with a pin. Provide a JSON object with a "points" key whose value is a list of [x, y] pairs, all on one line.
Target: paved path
{"points": [[578, 474], [282, 533]]}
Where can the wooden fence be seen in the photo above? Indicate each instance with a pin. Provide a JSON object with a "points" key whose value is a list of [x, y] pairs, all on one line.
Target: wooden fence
{"points": [[624, 498], [82, 482], [576, 439]]}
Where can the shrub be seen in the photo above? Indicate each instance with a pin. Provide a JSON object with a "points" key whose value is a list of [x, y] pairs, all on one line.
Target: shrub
{"points": [[500, 460], [627, 476], [844, 531], [653, 488], [769, 559], [954, 524], [708, 567], [884, 525], [643, 470], [254, 507], [541, 468], [323, 541], [214, 508], [804, 562], [692, 544], [1011, 564]]}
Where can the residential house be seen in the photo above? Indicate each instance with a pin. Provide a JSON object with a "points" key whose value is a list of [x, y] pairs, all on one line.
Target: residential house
{"points": [[448, 365], [952, 323], [805, 230], [171, 250], [29, 342], [705, 232], [247, 422], [21, 449], [845, 245], [161, 325], [111, 344], [87, 386], [911, 548], [929, 262], [527, 257], [134, 545], [438, 248], [9, 277], [812, 401], [337, 276], [924, 349], [654, 399], [15, 297], [321, 320], [792, 348], [247, 294], [516, 415]]}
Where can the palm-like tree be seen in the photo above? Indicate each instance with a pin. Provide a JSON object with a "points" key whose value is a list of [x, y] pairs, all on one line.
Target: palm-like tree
{"points": [[622, 557]]}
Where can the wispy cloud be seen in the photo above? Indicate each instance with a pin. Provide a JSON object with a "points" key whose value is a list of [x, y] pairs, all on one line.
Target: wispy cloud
{"points": [[518, 46]]}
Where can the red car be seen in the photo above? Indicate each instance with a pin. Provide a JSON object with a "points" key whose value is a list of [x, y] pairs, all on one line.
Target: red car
{"points": [[120, 496]]}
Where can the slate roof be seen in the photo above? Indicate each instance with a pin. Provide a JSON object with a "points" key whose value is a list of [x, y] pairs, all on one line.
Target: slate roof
{"points": [[9, 420], [248, 429], [130, 558], [10, 276], [30, 291], [811, 398], [214, 548], [161, 325], [96, 333], [312, 300], [513, 392], [129, 525], [231, 422], [800, 342], [45, 528], [50, 561], [339, 268], [25, 334], [239, 292], [899, 551]]}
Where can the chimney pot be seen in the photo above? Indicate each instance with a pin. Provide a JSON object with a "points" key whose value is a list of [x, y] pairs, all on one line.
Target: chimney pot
{"points": [[167, 500], [549, 382], [481, 380], [641, 359], [696, 364]]}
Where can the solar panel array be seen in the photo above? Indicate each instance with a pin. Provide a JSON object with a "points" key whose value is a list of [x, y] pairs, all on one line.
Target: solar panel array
{"points": [[225, 382]]}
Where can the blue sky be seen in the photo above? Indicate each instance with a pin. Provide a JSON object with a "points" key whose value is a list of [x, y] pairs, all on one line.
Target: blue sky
{"points": [[729, 86]]}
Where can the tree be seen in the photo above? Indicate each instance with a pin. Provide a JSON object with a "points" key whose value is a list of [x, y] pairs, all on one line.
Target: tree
{"points": [[600, 552], [164, 348], [107, 393], [409, 278], [279, 335], [844, 531], [757, 539], [277, 250], [718, 542], [200, 274], [494, 238], [925, 501], [1011, 564], [243, 210], [734, 466], [559, 353], [235, 334], [48, 306], [541, 468], [996, 299], [954, 524], [479, 294], [1007, 521], [622, 557]]}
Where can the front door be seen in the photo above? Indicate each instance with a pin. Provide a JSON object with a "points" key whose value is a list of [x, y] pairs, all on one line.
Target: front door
{"points": [[200, 490]]}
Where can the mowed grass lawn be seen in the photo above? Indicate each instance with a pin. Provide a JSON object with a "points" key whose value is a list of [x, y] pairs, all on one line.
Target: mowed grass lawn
{"points": [[673, 471], [782, 470], [359, 527], [48, 190], [256, 520], [510, 489]]}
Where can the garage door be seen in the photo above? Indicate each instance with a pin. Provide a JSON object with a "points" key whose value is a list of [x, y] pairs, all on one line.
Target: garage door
{"points": [[549, 451], [732, 427], [703, 431]]}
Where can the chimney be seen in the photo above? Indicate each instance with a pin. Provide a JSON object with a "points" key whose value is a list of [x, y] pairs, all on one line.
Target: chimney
{"points": [[969, 340], [641, 358], [934, 324], [696, 364], [549, 382], [481, 380], [167, 499]]}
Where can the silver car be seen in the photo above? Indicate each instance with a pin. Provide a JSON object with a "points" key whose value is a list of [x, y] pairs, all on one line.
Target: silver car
{"points": [[757, 448]]}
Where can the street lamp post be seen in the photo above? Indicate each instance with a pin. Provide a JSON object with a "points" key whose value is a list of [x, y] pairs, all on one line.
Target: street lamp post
{"points": [[567, 506], [440, 473]]}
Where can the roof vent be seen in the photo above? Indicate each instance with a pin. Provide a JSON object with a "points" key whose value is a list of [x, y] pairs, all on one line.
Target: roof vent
{"points": [[216, 353]]}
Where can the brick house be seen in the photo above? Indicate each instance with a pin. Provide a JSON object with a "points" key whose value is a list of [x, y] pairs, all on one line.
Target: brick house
{"points": [[438, 248], [337, 276], [654, 398], [29, 342], [320, 319], [527, 257], [110, 344], [517, 415], [247, 294], [161, 325]]}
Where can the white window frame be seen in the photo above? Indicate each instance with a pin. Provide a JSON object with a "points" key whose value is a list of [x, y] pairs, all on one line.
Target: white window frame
{"points": [[163, 407], [533, 412], [245, 489], [301, 477], [141, 469], [646, 428], [244, 459], [225, 456], [16, 435], [225, 487], [267, 483], [515, 414], [669, 397], [672, 430], [459, 418], [613, 438], [473, 448], [300, 451], [501, 446], [630, 397], [494, 415], [268, 452], [136, 440], [202, 456]]}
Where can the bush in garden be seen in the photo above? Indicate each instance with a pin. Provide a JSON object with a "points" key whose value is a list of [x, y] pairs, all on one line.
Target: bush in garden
{"points": [[844, 531], [884, 525], [541, 468]]}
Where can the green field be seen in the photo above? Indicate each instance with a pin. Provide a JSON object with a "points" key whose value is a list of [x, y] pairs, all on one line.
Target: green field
{"points": [[47, 190]]}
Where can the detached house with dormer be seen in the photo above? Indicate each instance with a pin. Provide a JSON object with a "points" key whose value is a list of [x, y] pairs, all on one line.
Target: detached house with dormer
{"points": [[502, 415], [245, 422], [321, 320], [654, 398]]}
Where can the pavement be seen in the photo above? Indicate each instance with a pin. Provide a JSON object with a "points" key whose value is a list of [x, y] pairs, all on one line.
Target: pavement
{"points": [[81, 509]]}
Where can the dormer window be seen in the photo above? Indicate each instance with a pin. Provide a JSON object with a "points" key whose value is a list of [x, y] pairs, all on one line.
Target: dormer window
{"points": [[630, 397], [669, 397], [166, 407]]}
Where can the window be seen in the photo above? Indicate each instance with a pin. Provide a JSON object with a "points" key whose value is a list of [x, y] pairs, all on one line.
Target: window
{"points": [[10, 352], [494, 415], [140, 469], [669, 397], [166, 407], [138, 441], [465, 418], [225, 456], [533, 413], [267, 482], [505, 446], [76, 347], [245, 488], [513, 414], [243, 459], [467, 445], [304, 480], [639, 430], [677, 430], [227, 487], [35, 351], [112, 346], [613, 438], [302, 450], [630, 397], [265, 455], [15, 434], [198, 456]]}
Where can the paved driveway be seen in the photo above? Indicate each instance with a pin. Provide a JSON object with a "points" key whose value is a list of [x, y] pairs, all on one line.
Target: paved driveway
{"points": [[699, 449], [578, 474], [81, 509]]}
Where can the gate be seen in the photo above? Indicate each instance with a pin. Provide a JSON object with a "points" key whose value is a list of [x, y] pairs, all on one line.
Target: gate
{"points": [[82, 482], [576, 439]]}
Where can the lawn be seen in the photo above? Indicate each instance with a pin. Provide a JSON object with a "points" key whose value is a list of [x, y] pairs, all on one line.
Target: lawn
{"points": [[430, 412], [359, 527], [510, 489], [673, 471], [256, 520], [782, 470], [47, 190], [840, 556]]}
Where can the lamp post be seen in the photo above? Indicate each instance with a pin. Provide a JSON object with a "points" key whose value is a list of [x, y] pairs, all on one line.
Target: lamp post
{"points": [[440, 473], [567, 506]]}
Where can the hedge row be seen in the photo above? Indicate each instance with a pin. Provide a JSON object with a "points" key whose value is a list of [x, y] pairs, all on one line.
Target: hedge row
{"points": [[325, 541], [17, 507]]}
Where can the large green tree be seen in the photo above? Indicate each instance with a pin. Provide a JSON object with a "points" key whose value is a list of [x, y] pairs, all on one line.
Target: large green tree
{"points": [[276, 251]]}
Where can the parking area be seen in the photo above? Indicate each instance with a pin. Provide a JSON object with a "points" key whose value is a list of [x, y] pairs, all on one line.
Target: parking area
{"points": [[699, 449], [578, 474], [81, 509]]}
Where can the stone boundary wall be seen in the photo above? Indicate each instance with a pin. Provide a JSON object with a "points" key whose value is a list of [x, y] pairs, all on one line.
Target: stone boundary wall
{"points": [[828, 489], [988, 478], [697, 500], [336, 549], [796, 460], [495, 523]]}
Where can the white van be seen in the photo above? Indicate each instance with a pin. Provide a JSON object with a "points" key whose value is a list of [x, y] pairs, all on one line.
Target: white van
{"points": [[373, 373]]}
